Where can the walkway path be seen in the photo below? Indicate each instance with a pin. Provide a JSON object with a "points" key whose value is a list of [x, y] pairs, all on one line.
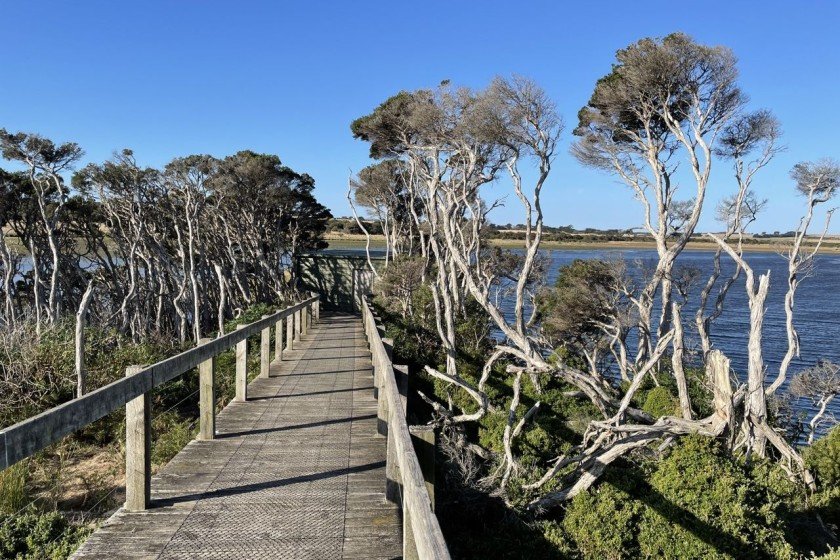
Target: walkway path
{"points": [[295, 472]]}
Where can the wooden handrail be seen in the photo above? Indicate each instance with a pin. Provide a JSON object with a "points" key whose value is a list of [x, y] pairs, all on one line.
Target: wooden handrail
{"points": [[29, 436], [422, 536]]}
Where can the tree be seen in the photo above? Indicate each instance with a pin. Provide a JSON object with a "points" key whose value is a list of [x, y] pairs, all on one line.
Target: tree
{"points": [[664, 103], [820, 384], [45, 162], [146, 251], [381, 189]]}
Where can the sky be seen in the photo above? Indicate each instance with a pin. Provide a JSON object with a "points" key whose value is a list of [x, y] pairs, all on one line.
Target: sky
{"points": [[173, 78]]}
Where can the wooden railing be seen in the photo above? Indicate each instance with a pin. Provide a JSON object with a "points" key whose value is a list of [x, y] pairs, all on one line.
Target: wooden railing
{"points": [[407, 483], [25, 438]]}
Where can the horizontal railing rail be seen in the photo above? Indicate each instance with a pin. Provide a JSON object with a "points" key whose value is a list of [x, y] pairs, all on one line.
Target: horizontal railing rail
{"points": [[29, 436], [422, 536]]}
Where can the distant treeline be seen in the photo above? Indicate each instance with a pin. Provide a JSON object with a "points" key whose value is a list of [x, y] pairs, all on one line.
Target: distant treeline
{"points": [[557, 234]]}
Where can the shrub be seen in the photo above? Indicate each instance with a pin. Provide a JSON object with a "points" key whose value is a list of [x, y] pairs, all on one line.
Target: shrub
{"points": [[824, 458], [603, 522], [173, 434], [34, 535], [703, 504], [697, 503], [660, 402]]}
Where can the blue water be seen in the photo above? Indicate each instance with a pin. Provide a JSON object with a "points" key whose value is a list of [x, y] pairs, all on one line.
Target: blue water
{"points": [[816, 312]]}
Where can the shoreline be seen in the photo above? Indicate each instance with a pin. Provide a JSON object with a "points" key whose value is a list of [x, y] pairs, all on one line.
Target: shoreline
{"points": [[830, 247]]}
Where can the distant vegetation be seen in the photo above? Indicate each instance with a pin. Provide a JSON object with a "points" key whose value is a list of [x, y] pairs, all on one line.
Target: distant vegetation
{"points": [[346, 226], [114, 264]]}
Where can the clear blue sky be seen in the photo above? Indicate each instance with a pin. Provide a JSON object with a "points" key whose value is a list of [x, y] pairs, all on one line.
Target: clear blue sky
{"points": [[179, 77]]}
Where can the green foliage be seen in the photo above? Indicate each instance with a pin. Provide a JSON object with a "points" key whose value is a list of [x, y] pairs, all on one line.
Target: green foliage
{"points": [[34, 535], [172, 433], [581, 296], [603, 523], [706, 506], [251, 314], [48, 365], [13, 487], [659, 401], [696, 503], [383, 127], [662, 399], [824, 458]]}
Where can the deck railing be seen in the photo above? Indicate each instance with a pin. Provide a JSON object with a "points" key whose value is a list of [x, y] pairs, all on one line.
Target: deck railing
{"points": [[407, 483], [25, 438]]}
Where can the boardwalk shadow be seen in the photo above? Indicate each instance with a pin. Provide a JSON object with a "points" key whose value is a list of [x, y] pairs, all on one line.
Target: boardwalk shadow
{"points": [[331, 372], [258, 486], [295, 426], [310, 394], [356, 356]]}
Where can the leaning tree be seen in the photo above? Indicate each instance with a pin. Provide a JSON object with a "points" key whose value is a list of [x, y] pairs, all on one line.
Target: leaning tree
{"points": [[659, 120]]}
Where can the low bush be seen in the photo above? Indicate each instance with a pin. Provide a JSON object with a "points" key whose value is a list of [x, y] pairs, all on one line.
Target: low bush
{"points": [[603, 523], [823, 458], [34, 535], [660, 402], [172, 433], [696, 503]]}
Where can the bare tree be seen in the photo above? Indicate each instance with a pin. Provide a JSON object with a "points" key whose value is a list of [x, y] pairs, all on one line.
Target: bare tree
{"points": [[820, 384], [81, 318], [754, 136], [819, 183]]}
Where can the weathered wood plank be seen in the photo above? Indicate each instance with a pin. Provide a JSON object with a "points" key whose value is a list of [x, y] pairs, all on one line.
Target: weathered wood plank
{"points": [[295, 472], [138, 449]]}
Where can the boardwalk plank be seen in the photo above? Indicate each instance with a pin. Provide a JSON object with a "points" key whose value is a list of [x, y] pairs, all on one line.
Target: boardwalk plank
{"points": [[297, 471]]}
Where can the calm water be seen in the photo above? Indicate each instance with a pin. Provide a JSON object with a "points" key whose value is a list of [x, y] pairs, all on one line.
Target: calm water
{"points": [[816, 314]]}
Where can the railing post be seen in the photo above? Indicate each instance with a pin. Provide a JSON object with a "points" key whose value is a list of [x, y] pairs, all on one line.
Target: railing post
{"points": [[278, 340], [290, 331], [409, 544], [298, 326], [265, 350], [241, 368], [304, 320], [207, 396], [317, 305], [138, 449], [374, 357]]}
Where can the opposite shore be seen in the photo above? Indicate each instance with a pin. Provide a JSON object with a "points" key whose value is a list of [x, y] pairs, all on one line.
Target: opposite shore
{"points": [[770, 245]]}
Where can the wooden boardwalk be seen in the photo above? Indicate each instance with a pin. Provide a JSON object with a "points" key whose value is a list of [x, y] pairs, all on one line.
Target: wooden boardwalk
{"points": [[297, 471]]}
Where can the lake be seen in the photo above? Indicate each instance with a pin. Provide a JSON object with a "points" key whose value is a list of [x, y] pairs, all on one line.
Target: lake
{"points": [[816, 313]]}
